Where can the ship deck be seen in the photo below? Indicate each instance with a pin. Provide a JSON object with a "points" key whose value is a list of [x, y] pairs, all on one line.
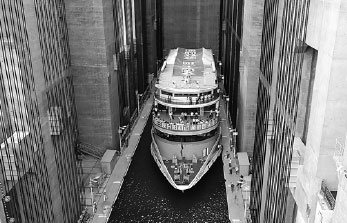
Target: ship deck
{"points": [[183, 171], [201, 66], [206, 117]]}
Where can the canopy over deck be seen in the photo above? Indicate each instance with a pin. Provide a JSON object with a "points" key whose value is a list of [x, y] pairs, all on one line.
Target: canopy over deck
{"points": [[188, 70]]}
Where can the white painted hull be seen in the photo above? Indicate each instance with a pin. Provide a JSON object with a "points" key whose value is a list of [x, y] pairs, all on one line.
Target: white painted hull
{"points": [[211, 158]]}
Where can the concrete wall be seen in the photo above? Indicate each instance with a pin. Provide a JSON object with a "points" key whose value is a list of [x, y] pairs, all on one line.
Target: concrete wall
{"points": [[326, 32], [112, 78], [335, 120], [304, 104], [149, 37], [323, 214], [308, 184], [340, 214], [91, 31], [249, 73], [37, 66], [2, 213], [191, 24], [35, 53]]}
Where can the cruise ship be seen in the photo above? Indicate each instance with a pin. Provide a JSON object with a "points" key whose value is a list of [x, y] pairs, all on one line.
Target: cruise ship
{"points": [[186, 128]]}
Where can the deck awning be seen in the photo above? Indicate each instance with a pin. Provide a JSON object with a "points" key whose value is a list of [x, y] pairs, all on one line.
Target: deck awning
{"points": [[188, 70]]}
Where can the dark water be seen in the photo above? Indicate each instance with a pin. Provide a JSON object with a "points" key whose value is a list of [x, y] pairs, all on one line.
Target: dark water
{"points": [[146, 196]]}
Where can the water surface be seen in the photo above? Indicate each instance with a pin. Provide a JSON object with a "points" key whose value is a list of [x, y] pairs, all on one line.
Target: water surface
{"points": [[146, 196]]}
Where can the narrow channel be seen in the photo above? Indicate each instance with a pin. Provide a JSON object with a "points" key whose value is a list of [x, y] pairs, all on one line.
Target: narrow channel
{"points": [[146, 196]]}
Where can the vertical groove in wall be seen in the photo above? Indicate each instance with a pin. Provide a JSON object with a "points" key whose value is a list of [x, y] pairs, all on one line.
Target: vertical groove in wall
{"points": [[231, 46]]}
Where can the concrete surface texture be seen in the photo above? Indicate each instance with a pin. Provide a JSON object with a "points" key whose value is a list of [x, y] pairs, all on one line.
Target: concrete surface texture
{"points": [[249, 73], [90, 42], [326, 33], [41, 88], [191, 24]]}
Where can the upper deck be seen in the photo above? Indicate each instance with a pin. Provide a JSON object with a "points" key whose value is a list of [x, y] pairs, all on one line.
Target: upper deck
{"points": [[188, 71]]}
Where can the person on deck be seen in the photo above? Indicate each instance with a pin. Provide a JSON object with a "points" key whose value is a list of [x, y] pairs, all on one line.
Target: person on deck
{"points": [[210, 115], [240, 182], [171, 116]]}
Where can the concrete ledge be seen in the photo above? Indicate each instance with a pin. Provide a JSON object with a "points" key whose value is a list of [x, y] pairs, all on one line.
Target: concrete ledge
{"points": [[120, 170]]}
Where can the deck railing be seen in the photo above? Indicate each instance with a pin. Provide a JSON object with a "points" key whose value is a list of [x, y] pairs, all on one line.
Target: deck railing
{"points": [[211, 158], [186, 101], [160, 159], [182, 127]]}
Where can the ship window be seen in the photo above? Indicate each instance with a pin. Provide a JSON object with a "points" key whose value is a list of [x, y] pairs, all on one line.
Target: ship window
{"points": [[162, 107], [210, 107], [166, 93], [206, 93], [181, 95], [191, 138], [186, 110], [186, 95]]}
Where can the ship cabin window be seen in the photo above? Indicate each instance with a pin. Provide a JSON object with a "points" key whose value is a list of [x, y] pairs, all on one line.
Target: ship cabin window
{"points": [[162, 108], [210, 107], [185, 95], [186, 110], [181, 95], [206, 93], [166, 93], [190, 138], [178, 111]]}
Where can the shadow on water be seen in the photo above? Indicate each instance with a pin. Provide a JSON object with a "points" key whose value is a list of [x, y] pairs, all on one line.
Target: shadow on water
{"points": [[146, 196]]}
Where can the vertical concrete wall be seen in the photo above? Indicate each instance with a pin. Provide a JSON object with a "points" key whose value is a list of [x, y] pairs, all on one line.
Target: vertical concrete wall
{"points": [[340, 214], [308, 181], [335, 120], [150, 38], [304, 98], [305, 194], [327, 120], [249, 73], [112, 77], [326, 33], [91, 46], [36, 59], [2, 213], [191, 24]]}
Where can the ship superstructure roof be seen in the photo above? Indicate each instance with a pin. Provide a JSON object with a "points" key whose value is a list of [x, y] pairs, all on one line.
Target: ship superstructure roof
{"points": [[188, 70]]}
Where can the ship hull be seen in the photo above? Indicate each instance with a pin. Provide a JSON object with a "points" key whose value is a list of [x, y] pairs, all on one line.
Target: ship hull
{"points": [[199, 168]]}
